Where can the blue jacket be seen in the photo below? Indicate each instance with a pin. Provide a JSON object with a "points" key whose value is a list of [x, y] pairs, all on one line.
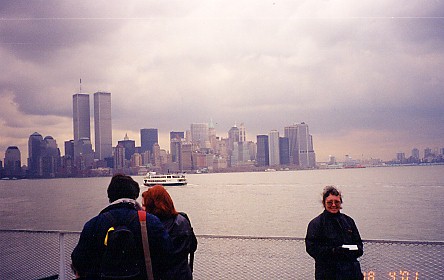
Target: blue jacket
{"points": [[87, 255], [184, 243]]}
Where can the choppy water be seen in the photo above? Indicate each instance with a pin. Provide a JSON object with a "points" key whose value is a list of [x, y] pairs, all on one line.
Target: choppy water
{"points": [[401, 203]]}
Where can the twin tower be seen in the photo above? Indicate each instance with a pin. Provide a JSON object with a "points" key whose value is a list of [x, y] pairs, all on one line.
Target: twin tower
{"points": [[102, 126]]}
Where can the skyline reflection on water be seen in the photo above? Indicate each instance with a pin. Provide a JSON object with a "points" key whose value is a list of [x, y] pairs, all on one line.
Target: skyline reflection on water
{"points": [[396, 203]]}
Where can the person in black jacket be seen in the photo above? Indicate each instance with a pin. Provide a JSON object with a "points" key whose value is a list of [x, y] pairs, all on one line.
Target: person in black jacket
{"points": [[157, 201], [87, 257], [333, 241]]}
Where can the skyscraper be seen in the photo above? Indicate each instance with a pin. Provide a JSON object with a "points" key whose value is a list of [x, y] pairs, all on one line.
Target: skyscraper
{"points": [[13, 167], [119, 157], [35, 151], [200, 135], [81, 116], [233, 136], [44, 156], [415, 154], [284, 151], [300, 145], [305, 147], [102, 125], [186, 158], [262, 157], [50, 157], [242, 133], [148, 137], [69, 149], [273, 147], [212, 136], [81, 121], [291, 132], [129, 145], [176, 139]]}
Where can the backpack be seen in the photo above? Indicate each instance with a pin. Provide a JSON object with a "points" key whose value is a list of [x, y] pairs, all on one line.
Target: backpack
{"points": [[120, 259]]}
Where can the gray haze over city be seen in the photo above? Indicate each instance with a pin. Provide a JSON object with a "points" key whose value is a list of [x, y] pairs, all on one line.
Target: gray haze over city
{"points": [[366, 76]]}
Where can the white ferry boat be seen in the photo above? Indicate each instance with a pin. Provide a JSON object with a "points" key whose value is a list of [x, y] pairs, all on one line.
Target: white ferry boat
{"points": [[152, 179]]}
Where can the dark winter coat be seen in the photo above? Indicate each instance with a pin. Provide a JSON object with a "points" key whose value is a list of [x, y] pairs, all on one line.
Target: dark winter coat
{"points": [[87, 255], [325, 235], [184, 242]]}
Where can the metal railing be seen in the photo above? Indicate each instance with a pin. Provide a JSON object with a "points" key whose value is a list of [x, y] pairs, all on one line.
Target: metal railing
{"points": [[44, 254]]}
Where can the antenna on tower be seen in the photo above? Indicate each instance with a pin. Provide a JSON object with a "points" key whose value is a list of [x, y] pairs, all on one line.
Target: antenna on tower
{"points": [[80, 85]]}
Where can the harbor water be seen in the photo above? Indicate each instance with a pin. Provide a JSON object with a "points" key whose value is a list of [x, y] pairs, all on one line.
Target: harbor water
{"points": [[396, 203]]}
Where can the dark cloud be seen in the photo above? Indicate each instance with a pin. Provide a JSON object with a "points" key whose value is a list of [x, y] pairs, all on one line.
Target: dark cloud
{"points": [[349, 70], [36, 30]]}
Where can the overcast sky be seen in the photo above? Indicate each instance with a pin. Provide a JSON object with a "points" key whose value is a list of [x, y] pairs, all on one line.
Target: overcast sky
{"points": [[366, 76]]}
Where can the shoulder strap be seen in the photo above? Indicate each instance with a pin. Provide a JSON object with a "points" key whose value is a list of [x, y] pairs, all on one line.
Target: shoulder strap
{"points": [[146, 245], [183, 214], [113, 221], [191, 253]]}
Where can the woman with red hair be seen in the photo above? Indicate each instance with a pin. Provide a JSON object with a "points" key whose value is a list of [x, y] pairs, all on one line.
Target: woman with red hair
{"points": [[157, 201]]}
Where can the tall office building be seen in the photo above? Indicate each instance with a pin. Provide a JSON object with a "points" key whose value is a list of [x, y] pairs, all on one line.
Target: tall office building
{"points": [[305, 147], [200, 135], [273, 148], [262, 157], [428, 153], [129, 145], [300, 145], [44, 156], [233, 136], [400, 157], [50, 157], [415, 154], [102, 125], [252, 150], [284, 151], [157, 161], [148, 137], [240, 154], [242, 133], [35, 151], [176, 140], [13, 167], [177, 135], [69, 149], [212, 136], [81, 116], [186, 158], [119, 157], [291, 132], [81, 122]]}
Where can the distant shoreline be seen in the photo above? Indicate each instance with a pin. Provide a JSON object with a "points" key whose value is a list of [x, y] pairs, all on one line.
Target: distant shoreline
{"points": [[246, 169]]}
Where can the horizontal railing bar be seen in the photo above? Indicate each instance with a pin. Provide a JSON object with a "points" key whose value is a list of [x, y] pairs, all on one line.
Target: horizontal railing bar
{"points": [[244, 237], [249, 237], [41, 231]]}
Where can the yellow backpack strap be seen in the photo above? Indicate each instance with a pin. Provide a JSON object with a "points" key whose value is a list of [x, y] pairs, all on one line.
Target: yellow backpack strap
{"points": [[106, 237]]}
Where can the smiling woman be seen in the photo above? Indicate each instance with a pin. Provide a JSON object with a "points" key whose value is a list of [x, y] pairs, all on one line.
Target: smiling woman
{"points": [[333, 241], [332, 199]]}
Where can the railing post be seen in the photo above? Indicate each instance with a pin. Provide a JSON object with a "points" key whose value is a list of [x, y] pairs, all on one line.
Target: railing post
{"points": [[62, 256]]}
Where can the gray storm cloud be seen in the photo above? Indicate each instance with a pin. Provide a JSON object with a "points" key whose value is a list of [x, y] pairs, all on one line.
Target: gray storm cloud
{"points": [[347, 69]]}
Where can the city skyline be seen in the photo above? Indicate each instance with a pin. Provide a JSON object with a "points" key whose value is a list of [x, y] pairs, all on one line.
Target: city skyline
{"points": [[365, 76], [416, 152]]}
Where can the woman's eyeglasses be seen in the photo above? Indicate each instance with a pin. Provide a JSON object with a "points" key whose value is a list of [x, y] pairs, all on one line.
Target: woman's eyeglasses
{"points": [[330, 203]]}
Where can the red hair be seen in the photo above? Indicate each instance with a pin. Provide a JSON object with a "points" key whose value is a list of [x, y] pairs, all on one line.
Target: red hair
{"points": [[157, 201]]}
